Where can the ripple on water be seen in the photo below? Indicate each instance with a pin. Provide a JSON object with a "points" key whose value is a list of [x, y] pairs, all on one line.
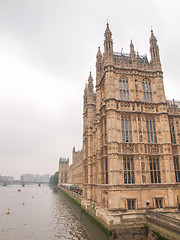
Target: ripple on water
{"points": [[46, 216]]}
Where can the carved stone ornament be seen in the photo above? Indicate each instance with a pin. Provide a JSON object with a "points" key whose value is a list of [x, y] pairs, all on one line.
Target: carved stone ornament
{"points": [[127, 148], [174, 149], [143, 167], [143, 178], [136, 148], [153, 149]]}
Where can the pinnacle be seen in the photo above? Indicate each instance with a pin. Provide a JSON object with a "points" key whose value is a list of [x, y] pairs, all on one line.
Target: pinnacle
{"points": [[99, 52], [85, 89], [131, 43], [108, 31], [90, 79], [152, 35]]}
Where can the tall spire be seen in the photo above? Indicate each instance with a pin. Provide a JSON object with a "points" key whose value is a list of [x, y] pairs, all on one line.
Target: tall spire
{"points": [[99, 55], [98, 66], [108, 43], [132, 52], [90, 84], [90, 79], [90, 100], [154, 51], [85, 97]]}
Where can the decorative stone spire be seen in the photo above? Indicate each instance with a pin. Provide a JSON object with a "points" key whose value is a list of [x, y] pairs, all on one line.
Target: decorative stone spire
{"points": [[99, 55], [98, 66], [108, 43], [90, 83], [85, 97], [90, 101], [132, 52], [73, 154], [90, 90], [154, 51]]}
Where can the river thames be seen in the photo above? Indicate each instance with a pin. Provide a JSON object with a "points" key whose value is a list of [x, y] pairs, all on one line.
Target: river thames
{"points": [[37, 213]]}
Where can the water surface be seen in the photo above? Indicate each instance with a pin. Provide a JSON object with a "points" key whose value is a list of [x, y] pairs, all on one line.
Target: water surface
{"points": [[37, 213]]}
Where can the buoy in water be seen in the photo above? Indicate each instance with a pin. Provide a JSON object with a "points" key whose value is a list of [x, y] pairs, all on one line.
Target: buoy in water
{"points": [[8, 211]]}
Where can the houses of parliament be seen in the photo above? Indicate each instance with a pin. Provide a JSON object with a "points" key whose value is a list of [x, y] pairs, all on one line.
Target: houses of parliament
{"points": [[130, 159]]}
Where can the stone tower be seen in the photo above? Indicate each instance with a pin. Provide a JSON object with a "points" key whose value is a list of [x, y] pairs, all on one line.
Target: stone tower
{"points": [[131, 136], [63, 170]]}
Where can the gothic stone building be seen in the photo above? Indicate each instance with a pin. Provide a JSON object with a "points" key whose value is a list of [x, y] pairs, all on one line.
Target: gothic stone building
{"points": [[131, 135], [75, 170], [63, 170]]}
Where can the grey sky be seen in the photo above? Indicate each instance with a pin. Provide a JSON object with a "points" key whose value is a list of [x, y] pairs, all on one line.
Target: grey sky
{"points": [[47, 48]]}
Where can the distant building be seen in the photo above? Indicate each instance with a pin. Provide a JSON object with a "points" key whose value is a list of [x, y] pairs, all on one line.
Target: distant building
{"points": [[27, 177], [75, 172], [35, 178], [63, 170], [42, 178], [6, 179]]}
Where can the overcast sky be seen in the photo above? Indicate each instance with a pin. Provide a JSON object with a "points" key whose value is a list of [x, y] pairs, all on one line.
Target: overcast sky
{"points": [[47, 48]]}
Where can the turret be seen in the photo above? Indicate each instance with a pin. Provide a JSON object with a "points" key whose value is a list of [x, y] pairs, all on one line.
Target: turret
{"points": [[85, 97], [98, 66], [90, 101], [154, 51], [85, 109], [132, 52], [73, 154], [90, 90], [108, 45]]}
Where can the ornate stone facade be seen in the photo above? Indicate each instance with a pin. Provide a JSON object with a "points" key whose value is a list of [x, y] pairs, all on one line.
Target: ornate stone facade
{"points": [[63, 170], [131, 135], [75, 172]]}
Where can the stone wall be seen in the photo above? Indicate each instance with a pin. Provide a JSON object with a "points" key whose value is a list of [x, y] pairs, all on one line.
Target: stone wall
{"points": [[75, 172]]}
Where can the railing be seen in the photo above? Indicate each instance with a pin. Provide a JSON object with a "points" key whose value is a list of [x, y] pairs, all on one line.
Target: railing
{"points": [[163, 220], [171, 103], [121, 54], [128, 55]]}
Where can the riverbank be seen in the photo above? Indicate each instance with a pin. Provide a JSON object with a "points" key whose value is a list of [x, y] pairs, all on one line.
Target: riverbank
{"points": [[144, 226], [97, 229]]}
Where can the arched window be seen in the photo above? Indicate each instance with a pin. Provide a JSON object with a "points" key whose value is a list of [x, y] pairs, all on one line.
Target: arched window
{"points": [[172, 131], [126, 129], [151, 130], [147, 90], [124, 89], [154, 170], [128, 164], [105, 131], [177, 168]]}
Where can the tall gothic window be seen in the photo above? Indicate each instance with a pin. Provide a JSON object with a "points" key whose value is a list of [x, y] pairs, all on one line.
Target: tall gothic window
{"points": [[106, 168], [151, 130], [105, 131], [154, 170], [177, 169], [147, 91], [124, 89], [126, 129], [172, 131], [128, 170]]}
